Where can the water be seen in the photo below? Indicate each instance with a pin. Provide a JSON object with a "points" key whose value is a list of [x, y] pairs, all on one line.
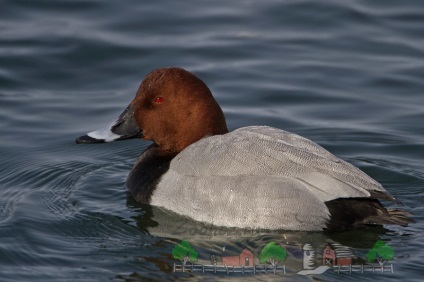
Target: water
{"points": [[346, 74]]}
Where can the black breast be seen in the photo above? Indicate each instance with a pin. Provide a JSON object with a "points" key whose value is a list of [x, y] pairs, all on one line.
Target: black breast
{"points": [[146, 174]]}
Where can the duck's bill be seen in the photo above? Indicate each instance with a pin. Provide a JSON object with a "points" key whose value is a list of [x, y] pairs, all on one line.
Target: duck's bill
{"points": [[125, 127]]}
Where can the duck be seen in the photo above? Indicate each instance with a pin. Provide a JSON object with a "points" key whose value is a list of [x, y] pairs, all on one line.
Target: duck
{"points": [[254, 177]]}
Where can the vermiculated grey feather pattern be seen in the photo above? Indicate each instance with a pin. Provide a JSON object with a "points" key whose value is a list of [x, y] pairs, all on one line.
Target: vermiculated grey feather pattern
{"points": [[259, 177]]}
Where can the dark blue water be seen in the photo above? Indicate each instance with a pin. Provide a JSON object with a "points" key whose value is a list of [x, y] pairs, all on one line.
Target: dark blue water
{"points": [[347, 74]]}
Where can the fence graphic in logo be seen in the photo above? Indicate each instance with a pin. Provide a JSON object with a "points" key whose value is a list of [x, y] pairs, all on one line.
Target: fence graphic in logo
{"points": [[184, 252], [272, 259], [243, 262], [381, 252], [341, 259]]}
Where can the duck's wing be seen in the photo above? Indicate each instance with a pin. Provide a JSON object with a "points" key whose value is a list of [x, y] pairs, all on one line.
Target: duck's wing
{"points": [[266, 151]]}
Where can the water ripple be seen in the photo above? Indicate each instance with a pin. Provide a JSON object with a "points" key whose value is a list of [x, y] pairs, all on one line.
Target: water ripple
{"points": [[346, 74]]}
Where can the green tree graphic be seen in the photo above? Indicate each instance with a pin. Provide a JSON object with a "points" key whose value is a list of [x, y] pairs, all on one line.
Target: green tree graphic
{"points": [[380, 252], [184, 252], [272, 253]]}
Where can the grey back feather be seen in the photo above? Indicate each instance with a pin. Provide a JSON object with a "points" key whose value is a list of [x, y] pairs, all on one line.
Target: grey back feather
{"points": [[259, 177]]}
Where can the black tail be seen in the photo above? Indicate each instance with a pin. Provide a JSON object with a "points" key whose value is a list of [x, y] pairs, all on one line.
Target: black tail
{"points": [[399, 217], [348, 213]]}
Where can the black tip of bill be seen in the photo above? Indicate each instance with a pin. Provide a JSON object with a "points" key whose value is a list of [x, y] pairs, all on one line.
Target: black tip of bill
{"points": [[123, 128], [88, 140]]}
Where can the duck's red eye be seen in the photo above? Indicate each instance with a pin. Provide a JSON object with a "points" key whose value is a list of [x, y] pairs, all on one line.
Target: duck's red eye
{"points": [[159, 100]]}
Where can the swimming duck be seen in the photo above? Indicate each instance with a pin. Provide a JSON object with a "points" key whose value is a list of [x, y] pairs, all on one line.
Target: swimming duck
{"points": [[255, 177]]}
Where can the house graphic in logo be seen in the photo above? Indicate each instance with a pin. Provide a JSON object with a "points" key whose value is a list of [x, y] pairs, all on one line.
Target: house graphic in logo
{"points": [[271, 258], [230, 260], [336, 254], [342, 260], [245, 258]]}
